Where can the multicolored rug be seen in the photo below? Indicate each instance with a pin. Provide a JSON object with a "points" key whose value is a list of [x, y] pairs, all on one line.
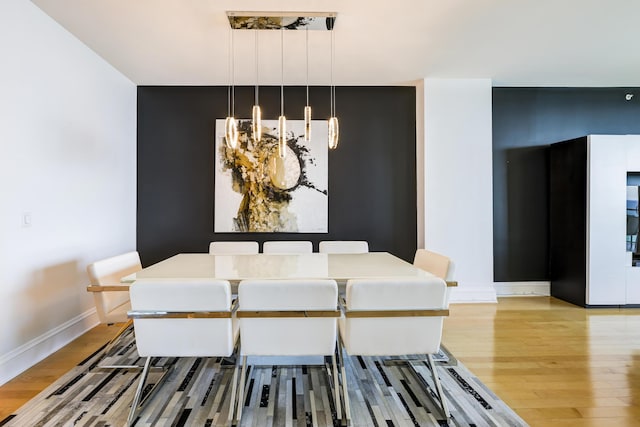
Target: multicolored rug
{"points": [[382, 392]]}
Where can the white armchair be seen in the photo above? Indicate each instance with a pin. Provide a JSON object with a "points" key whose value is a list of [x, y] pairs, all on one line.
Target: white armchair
{"points": [[233, 248], [343, 247], [436, 264], [288, 318], [110, 296], [287, 247], [186, 318], [433, 262], [393, 317]]}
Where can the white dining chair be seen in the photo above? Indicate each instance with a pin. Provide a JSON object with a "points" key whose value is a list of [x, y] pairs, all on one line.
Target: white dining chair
{"points": [[393, 317], [111, 297], [436, 264], [433, 262], [343, 247], [182, 318], [287, 247], [288, 318], [233, 248]]}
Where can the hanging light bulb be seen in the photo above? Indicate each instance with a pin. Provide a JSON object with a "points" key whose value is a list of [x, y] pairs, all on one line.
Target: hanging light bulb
{"points": [[256, 113], [230, 124], [231, 132], [334, 130], [282, 120], [282, 139], [307, 108]]}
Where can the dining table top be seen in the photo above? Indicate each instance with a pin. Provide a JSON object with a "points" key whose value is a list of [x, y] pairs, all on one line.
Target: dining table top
{"points": [[234, 268]]}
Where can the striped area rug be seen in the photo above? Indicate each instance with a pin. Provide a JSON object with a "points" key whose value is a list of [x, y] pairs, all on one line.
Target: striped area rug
{"points": [[382, 392]]}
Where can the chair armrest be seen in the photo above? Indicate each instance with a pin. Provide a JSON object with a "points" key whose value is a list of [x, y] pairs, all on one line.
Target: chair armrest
{"points": [[252, 314], [396, 313], [108, 288], [144, 314]]}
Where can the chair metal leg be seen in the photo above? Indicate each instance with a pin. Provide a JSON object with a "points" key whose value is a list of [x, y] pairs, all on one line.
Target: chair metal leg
{"points": [[137, 404], [345, 392], [126, 327], [136, 399], [234, 389], [113, 340], [336, 386], [436, 381], [240, 402]]}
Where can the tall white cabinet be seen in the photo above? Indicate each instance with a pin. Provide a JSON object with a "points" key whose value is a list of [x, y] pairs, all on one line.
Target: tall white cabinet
{"points": [[589, 263]]}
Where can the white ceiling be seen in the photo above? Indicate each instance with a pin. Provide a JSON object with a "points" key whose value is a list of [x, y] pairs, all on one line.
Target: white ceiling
{"points": [[513, 42]]}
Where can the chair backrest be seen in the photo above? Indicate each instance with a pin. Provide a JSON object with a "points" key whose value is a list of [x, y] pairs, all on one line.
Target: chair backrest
{"points": [[409, 319], [287, 336], [343, 247], [109, 271], [287, 247], [182, 337], [433, 262], [233, 248]]}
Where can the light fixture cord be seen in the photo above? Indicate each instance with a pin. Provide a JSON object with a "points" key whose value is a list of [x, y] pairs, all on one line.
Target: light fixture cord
{"points": [[307, 44], [282, 70], [233, 88], [257, 75], [229, 81], [333, 88]]}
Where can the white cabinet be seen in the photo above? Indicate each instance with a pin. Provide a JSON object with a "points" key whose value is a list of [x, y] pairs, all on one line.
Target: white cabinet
{"points": [[588, 184]]}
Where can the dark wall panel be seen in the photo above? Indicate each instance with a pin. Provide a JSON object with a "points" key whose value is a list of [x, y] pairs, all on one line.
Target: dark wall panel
{"points": [[525, 122], [372, 174]]}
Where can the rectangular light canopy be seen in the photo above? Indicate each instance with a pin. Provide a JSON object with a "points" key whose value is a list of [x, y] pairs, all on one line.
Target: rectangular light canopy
{"points": [[277, 20]]}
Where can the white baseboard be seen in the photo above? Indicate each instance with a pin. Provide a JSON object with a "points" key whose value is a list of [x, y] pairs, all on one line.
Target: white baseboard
{"points": [[512, 289], [475, 293], [22, 358]]}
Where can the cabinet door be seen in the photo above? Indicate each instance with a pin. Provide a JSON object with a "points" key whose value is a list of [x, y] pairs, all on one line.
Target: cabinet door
{"points": [[633, 285], [606, 220]]}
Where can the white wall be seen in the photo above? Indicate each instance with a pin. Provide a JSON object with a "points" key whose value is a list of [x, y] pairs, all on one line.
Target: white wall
{"points": [[68, 159], [458, 194]]}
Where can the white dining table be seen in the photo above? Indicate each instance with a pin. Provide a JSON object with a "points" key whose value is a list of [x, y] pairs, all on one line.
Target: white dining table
{"points": [[234, 268]]}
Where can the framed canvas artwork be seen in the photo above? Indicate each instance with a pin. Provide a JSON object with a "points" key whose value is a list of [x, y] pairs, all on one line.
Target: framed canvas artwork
{"points": [[257, 191]]}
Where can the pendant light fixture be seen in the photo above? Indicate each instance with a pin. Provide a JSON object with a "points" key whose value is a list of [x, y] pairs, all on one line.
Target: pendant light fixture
{"points": [[319, 21], [230, 124], [307, 108], [282, 120], [256, 113], [334, 129]]}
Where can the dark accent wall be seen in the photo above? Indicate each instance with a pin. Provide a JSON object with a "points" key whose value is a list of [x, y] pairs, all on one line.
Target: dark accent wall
{"points": [[372, 174], [525, 122]]}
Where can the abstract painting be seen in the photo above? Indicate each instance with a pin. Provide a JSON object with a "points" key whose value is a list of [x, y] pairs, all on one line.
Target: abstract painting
{"points": [[258, 192]]}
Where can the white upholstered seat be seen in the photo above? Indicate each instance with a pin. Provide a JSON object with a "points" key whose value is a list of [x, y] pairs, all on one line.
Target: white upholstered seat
{"points": [[436, 264], [433, 262], [287, 247], [392, 317], [112, 305], [288, 318], [109, 295], [182, 318], [343, 247], [233, 248]]}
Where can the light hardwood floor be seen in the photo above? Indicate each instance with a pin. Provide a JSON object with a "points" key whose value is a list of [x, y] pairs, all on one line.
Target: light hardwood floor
{"points": [[554, 363]]}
